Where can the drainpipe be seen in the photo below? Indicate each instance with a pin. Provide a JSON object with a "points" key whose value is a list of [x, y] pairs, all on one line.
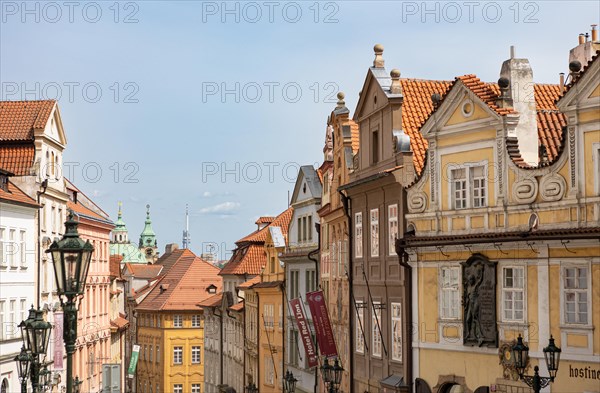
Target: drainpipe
{"points": [[346, 202], [316, 261], [39, 228]]}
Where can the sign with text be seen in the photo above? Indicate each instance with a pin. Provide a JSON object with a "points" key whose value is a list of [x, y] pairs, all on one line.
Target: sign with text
{"points": [[304, 330], [58, 341], [134, 359], [320, 317]]}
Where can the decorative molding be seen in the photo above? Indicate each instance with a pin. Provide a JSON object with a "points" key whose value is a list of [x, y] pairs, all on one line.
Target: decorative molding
{"points": [[525, 191], [572, 155], [417, 201], [552, 187]]}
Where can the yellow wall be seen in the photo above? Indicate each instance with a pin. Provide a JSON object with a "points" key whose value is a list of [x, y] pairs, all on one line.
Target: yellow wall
{"points": [[589, 138]]}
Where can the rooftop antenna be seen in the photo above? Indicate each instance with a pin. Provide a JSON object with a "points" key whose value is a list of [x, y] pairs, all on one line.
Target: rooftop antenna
{"points": [[186, 232]]}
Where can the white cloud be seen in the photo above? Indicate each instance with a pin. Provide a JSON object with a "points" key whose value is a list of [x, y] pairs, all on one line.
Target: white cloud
{"points": [[225, 208]]}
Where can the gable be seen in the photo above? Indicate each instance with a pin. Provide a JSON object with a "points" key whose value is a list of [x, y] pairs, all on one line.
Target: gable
{"points": [[372, 98], [595, 92], [467, 110]]}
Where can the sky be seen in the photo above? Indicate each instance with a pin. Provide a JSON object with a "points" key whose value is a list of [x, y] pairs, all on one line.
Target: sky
{"points": [[216, 105]]}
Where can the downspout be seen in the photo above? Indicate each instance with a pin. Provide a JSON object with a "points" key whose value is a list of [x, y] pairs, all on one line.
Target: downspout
{"points": [[346, 202], [403, 261], [317, 274], [39, 230]]}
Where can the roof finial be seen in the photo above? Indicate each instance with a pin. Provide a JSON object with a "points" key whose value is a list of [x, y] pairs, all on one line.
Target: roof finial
{"points": [[396, 87], [147, 212], [120, 214], [341, 103], [378, 62]]}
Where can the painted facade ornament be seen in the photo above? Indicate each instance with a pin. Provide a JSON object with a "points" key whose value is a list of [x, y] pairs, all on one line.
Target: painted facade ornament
{"points": [[572, 155], [417, 201], [525, 191], [552, 187]]}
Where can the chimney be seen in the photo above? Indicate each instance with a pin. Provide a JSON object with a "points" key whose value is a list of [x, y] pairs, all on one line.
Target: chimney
{"points": [[561, 81], [395, 88], [519, 76], [378, 62], [586, 48], [169, 248]]}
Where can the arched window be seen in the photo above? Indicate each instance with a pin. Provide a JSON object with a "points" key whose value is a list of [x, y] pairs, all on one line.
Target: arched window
{"points": [[4, 386], [52, 165]]}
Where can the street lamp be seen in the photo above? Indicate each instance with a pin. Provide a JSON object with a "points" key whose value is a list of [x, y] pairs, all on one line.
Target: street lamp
{"points": [[23, 360], [45, 377], [71, 257], [552, 356], [35, 333], [77, 385], [289, 382], [337, 373], [332, 375], [251, 388]]}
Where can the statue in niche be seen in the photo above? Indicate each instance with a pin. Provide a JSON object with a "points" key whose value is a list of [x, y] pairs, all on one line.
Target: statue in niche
{"points": [[479, 302]]}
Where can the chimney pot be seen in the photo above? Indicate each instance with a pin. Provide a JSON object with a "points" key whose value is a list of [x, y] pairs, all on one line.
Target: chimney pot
{"points": [[561, 83], [378, 62], [594, 33], [581, 38], [512, 51]]}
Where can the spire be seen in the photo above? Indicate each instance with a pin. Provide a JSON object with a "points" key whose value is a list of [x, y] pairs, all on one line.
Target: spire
{"points": [[148, 237], [186, 232]]}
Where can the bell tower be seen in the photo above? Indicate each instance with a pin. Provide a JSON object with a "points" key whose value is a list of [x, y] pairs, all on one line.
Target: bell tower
{"points": [[148, 244]]}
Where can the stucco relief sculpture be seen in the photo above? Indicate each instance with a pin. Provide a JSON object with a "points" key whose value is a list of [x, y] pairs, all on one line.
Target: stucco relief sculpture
{"points": [[479, 302]]}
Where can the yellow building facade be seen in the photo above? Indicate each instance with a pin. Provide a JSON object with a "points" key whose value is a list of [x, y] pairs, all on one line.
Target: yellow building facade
{"points": [[503, 232]]}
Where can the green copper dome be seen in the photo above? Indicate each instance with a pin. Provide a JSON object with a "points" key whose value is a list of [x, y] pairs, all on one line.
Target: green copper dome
{"points": [[148, 237], [120, 224]]}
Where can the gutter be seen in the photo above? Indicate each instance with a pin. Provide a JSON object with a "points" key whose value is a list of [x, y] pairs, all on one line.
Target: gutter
{"points": [[346, 201]]}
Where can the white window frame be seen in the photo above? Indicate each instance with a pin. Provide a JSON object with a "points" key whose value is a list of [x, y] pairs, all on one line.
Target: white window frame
{"points": [[3, 257], [453, 289], [596, 163], [195, 321], [374, 231], [514, 290], [280, 318], [13, 248], [196, 354], [359, 316], [564, 290], [358, 235], [376, 339], [178, 321], [177, 388], [23, 248], [196, 388], [392, 228], [468, 167], [396, 330], [294, 284], [178, 355]]}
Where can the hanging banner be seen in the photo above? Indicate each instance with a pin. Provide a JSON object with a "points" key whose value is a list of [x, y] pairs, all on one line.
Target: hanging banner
{"points": [[320, 317], [304, 330], [58, 341], [134, 359]]}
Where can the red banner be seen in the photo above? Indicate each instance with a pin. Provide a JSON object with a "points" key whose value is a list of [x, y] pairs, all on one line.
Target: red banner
{"points": [[304, 330], [58, 341], [318, 310]]}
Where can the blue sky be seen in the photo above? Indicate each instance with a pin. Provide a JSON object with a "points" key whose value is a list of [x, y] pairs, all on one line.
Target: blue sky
{"points": [[141, 85]]}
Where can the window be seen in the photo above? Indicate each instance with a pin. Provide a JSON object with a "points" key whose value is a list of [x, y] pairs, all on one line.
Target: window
{"points": [[53, 219], [596, 158], [151, 351], [269, 371], [23, 249], [469, 187], [311, 281], [309, 228], [304, 233], [392, 228], [272, 265], [177, 321], [294, 276], [513, 293], [195, 321], [195, 388], [177, 355], [576, 295], [13, 251], [293, 356], [3, 258], [358, 235], [196, 354], [157, 354], [374, 232], [23, 309], [449, 293], [375, 334], [299, 237], [396, 332], [2, 320], [177, 388], [375, 147], [268, 315], [280, 320], [359, 326]]}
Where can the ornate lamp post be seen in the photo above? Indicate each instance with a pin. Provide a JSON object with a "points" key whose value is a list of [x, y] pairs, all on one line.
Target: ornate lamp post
{"points": [[77, 385], [71, 257], [251, 388], [289, 382], [35, 333], [332, 375], [45, 377], [23, 360], [521, 354]]}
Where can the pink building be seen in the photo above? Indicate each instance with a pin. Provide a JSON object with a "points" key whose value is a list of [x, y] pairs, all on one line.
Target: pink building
{"points": [[94, 323]]}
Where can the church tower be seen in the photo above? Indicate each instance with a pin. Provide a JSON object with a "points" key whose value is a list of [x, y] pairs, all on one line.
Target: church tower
{"points": [[120, 234], [148, 244]]}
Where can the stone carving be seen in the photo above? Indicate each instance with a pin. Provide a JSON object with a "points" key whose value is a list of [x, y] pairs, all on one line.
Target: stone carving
{"points": [[479, 302], [417, 202], [432, 170], [525, 191], [572, 154], [552, 187]]}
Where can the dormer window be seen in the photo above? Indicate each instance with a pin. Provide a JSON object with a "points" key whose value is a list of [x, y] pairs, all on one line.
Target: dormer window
{"points": [[212, 289], [3, 182]]}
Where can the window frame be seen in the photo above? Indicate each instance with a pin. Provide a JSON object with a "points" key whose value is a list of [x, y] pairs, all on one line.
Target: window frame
{"points": [[442, 291], [358, 235], [505, 289], [393, 329], [392, 220], [564, 290], [359, 316], [198, 350], [376, 337], [374, 232], [177, 350], [468, 168], [178, 321]]}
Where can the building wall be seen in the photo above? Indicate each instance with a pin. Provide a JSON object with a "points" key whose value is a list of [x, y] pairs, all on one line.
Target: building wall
{"points": [[17, 269]]}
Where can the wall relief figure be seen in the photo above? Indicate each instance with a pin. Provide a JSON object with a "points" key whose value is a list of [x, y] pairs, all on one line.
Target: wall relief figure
{"points": [[479, 302]]}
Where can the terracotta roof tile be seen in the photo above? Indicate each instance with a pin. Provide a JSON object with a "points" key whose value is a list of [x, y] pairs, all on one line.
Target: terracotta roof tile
{"points": [[213, 301], [142, 271], [114, 264], [249, 283], [238, 306], [119, 323], [184, 286], [583, 70], [18, 158], [282, 220], [14, 194], [264, 220], [79, 209], [18, 119], [168, 260]]}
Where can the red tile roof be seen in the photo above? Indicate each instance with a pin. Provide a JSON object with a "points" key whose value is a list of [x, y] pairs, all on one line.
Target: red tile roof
{"points": [[78, 209], [249, 283], [114, 265], [264, 220], [183, 287], [238, 306], [18, 119], [249, 257], [118, 323], [168, 260], [212, 301], [142, 271], [17, 159], [14, 194]]}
